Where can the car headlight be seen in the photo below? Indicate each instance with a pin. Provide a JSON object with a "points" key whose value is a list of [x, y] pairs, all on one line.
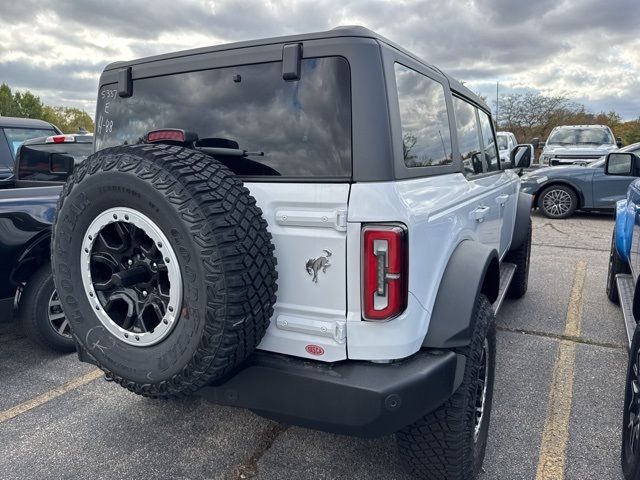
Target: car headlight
{"points": [[545, 158], [529, 178]]}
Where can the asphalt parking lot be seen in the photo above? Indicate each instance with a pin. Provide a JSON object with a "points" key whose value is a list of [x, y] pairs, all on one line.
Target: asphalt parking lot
{"points": [[557, 407]]}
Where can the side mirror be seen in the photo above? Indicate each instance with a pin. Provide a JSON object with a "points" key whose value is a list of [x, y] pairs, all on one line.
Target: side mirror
{"points": [[521, 156], [535, 142], [622, 163], [619, 142]]}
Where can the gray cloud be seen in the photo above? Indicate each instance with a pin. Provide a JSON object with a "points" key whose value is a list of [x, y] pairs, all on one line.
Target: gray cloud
{"points": [[578, 47]]}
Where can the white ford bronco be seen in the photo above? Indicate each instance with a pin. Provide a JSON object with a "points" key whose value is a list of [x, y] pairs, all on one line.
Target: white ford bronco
{"points": [[317, 228]]}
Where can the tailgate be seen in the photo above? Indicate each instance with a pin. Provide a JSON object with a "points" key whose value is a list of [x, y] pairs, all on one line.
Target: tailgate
{"points": [[308, 224]]}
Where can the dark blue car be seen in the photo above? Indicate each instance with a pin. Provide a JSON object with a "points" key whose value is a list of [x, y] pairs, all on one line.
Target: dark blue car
{"points": [[559, 191], [622, 288]]}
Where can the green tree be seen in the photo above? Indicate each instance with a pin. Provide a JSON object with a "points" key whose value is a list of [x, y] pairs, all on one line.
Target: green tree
{"points": [[27, 105], [7, 103], [68, 119]]}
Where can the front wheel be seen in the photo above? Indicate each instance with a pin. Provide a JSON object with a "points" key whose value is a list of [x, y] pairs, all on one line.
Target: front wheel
{"points": [[41, 313], [558, 201], [631, 416], [449, 443]]}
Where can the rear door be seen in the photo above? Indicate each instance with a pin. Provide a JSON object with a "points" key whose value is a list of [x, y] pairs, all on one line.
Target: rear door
{"points": [[501, 186]]}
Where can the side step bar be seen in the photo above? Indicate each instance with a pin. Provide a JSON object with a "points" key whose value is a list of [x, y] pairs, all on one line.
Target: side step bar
{"points": [[625, 293], [506, 275]]}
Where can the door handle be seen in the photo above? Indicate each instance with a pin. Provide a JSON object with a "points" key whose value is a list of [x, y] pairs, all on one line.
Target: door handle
{"points": [[479, 213], [502, 199]]}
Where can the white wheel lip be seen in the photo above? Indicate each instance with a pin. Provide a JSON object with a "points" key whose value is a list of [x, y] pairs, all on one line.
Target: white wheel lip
{"points": [[140, 220]]}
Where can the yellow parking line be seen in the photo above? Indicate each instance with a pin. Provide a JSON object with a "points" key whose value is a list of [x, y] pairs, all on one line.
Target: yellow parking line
{"points": [[555, 435], [50, 395]]}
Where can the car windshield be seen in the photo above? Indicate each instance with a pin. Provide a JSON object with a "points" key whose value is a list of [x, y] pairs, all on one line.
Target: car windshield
{"points": [[503, 144], [16, 136], [580, 136]]}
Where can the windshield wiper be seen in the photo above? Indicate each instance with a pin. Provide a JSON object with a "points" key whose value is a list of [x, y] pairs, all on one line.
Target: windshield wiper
{"points": [[229, 152]]}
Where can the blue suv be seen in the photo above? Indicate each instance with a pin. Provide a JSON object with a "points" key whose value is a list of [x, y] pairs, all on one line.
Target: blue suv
{"points": [[622, 285]]}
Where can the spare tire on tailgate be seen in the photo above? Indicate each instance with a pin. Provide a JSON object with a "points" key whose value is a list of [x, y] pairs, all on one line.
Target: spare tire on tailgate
{"points": [[164, 267]]}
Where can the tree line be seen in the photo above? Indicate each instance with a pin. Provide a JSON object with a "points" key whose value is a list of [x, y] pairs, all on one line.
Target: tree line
{"points": [[27, 105], [531, 115]]}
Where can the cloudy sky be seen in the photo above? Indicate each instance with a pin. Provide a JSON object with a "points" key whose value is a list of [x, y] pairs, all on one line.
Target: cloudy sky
{"points": [[588, 50]]}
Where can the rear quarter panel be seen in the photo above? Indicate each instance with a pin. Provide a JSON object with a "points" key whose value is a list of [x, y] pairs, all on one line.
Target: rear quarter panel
{"points": [[437, 212]]}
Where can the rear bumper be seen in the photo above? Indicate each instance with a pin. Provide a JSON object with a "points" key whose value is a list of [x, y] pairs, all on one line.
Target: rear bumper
{"points": [[351, 397]]}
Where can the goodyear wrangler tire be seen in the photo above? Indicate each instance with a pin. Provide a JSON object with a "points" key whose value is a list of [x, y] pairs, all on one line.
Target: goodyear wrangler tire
{"points": [[450, 442], [164, 267]]}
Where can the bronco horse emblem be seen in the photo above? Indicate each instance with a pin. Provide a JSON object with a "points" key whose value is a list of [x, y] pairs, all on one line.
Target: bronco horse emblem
{"points": [[314, 265]]}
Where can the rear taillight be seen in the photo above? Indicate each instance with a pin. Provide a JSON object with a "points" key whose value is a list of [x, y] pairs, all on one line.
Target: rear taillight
{"points": [[167, 134], [60, 139], [384, 271]]}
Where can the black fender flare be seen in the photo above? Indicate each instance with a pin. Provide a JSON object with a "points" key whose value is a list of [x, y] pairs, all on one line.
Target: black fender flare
{"points": [[473, 268], [37, 253], [523, 216]]}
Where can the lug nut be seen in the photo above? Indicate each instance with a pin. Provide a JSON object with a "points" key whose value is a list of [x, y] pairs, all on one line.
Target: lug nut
{"points": [[144, 293], [129, 262]]}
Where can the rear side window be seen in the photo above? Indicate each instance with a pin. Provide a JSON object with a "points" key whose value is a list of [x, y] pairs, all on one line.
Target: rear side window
{"points": [[15, 136], [303, 127], [468, 137], [426, 139], [490, 150]]}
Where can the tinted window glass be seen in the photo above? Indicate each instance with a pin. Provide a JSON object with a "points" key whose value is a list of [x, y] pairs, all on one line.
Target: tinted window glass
{"points": [[426, 139], [303, 127], [51, 162], [16, 136], [490, 152], [468, 136]]}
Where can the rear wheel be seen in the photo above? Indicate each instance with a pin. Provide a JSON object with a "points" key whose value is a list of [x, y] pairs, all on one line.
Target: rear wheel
{"points": [[631, 416], [165, 267], [41, 313], [558, 201], [616, 266], [449, 443]]}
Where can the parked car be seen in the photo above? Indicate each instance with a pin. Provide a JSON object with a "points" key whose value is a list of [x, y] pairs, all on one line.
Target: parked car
{"points": [[506, 143], [570, 144], [559, 191], [14, 131], [388, 231], [28, 206], [622, 278]]}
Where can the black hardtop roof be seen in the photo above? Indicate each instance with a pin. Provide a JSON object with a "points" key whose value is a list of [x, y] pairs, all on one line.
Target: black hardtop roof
{"points": [[338, 32], [15, 122]]}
